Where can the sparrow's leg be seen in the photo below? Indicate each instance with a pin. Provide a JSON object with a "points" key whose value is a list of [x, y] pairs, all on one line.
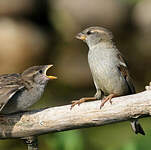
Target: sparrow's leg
{"points": [[82, 100], [108, 98]]}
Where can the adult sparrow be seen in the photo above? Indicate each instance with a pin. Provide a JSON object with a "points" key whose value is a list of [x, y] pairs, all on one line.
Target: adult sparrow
{"points": [[21, 90], [108, 68]]}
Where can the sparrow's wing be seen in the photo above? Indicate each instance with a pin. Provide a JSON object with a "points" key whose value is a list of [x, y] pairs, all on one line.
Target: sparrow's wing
{"points": [[124, 71], [9, 85]]}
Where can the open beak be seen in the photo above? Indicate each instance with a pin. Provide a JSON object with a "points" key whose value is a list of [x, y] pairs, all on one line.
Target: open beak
{"points": [[50, 77], [81, 36]]}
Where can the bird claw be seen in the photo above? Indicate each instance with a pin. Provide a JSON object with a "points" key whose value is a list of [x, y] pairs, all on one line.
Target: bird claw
{"points": [[76, 102], [108, 98], [73, 104], [102, 104]]}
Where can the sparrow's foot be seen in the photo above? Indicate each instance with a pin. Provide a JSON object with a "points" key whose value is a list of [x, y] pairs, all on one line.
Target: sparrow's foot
{"points": [[82, 100], [108, 98]]}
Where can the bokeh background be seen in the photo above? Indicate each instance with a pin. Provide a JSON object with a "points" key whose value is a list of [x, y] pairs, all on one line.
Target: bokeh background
{"points": [[34, 32]]}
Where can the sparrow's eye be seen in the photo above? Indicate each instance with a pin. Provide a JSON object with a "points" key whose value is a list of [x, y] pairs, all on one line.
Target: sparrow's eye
{"points": [[89, 32], [40, 71]]}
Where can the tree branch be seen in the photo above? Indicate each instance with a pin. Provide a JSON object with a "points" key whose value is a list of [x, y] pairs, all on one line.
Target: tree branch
{"points": [[88, 114]]}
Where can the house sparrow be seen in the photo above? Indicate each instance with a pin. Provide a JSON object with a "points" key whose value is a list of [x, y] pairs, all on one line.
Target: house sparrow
{"points": [[108, 68], [20, 91]]}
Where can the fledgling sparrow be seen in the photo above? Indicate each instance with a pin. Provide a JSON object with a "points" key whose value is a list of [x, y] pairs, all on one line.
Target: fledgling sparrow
{"points": [[21, 90], [108, 68]]}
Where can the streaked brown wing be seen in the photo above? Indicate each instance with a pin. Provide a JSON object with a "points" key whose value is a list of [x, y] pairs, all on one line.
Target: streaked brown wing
{"points": [[9, 85], [127, 78], [124, 71], [9, 79], [6, 94]]}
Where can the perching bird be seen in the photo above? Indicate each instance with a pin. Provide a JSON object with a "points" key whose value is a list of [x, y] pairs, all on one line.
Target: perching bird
{"points": [[108, 68], [20, 91]]}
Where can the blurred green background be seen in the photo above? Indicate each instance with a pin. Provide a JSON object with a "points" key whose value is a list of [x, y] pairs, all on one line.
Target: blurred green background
{"points": [[34, 32]]}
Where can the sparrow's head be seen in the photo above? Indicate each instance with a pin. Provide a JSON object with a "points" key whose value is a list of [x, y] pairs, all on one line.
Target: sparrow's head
{"points": [[38, 74], [95, 35]]}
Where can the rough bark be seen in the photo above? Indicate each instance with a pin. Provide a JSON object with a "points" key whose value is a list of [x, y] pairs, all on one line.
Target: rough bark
{"points": [[56, 119]]}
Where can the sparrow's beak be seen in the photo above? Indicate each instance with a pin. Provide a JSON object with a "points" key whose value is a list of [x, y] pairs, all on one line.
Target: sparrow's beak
{"points": [[81, 36], [50, 77]]}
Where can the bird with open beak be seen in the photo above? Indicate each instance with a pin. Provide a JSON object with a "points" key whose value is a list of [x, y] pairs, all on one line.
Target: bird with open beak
{"points": [[109, 70], [21, 90]]}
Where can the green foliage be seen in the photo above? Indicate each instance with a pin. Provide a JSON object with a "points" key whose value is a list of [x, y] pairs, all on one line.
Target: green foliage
{"points": [[138, 143], [69, 140]]}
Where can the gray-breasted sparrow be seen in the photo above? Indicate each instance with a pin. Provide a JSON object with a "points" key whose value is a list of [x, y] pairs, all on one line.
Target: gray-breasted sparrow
{"points": [[108, 68], [20, 91]]}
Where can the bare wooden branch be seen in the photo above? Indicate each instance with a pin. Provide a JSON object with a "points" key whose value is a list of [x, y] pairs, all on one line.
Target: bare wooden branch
{"points": [[86, 115]]}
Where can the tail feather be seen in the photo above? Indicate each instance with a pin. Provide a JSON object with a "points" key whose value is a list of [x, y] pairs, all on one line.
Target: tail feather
{"points": [[137, 127]]}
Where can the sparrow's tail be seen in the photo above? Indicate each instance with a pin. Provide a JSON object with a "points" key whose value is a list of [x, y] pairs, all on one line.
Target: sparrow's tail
{"points": [[137, 127]]}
